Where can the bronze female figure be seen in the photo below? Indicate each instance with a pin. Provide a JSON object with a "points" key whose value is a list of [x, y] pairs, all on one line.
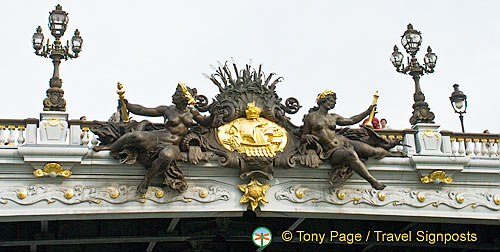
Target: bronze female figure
{"points": [[158, 149], [319, 126]]}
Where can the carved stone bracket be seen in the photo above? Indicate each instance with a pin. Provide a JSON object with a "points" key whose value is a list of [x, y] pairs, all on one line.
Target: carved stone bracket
{"points": [[116, 194], [416, 198]]}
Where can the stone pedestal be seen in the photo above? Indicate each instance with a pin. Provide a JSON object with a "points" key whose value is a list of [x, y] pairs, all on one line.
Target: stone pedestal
{"points": [[53, 127], [427, 139]]}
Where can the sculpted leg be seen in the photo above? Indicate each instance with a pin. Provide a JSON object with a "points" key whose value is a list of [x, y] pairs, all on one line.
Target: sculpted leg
{"points": [[366, 151], [165, 163], [156, 169], [350, 156], [173, 175], [380, 153]]}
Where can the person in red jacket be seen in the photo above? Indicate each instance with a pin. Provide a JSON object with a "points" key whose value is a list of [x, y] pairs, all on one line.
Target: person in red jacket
{"points": [[375, 122]]}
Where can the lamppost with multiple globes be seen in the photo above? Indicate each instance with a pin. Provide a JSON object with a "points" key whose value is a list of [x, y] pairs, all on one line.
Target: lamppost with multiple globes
{"points": [[58, 20], [459, 103], [411, 41]]}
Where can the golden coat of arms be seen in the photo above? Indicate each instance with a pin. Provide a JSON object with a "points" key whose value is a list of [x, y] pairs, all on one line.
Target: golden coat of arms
{"points": [[253, 135]]}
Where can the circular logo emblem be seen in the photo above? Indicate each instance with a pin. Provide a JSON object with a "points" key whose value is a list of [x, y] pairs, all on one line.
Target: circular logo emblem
{"points": [[261, 237]]}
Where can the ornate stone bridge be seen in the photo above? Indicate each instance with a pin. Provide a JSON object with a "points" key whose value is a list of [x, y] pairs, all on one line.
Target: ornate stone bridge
{"points": [[245, 158], [67, 180]]}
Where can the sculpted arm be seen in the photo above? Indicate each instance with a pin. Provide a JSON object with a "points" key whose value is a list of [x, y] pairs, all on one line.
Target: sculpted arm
{"points": [[307, 126], [354, 119], [201, 119], [307, 136], [140, 110]]}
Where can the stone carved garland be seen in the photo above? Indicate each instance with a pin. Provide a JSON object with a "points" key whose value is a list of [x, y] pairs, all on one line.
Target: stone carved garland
{"points": [[119, 194], [416, 198]]}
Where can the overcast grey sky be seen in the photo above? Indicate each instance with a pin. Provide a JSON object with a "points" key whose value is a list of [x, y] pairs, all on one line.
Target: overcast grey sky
{"points": [[343, 46]]}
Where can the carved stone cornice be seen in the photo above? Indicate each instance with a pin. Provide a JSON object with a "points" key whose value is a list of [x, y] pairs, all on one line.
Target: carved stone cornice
{"points": [[119, 194], [412, 198]]}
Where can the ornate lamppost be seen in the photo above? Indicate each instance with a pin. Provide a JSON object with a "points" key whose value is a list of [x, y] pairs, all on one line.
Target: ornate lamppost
{"points": [[411, 41], [459, 103], [58, 21]]}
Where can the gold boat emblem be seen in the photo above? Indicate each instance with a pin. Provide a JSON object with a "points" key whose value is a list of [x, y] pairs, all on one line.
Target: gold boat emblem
{"points": [[253, 135]]}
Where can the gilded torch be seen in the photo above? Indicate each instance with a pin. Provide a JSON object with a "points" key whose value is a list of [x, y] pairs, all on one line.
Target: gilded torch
{"points": [[372, 114], [123, 106]]}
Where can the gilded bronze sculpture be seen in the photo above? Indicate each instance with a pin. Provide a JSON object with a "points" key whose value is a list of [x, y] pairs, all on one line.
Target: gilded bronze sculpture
{"points": [[247, 128], [250, 130], [319, 132], [159, 149]]}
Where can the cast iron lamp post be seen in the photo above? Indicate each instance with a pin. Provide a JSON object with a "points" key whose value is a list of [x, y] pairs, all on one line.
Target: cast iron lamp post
{"points": [[411, 41], [58, 21], [459, 103]]}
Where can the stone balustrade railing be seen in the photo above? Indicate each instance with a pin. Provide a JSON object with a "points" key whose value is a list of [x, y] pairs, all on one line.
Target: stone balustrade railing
{"points": [[397, 134], [80, 133], [453, 143], [15, 132], [472, 144]]}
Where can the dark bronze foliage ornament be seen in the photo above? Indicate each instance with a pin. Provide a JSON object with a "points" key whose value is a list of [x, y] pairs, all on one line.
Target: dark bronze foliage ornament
{"points": [[246, 128], [238, 89]]}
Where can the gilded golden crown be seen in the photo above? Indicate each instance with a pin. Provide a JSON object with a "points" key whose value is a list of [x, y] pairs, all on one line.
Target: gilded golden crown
{"points": [[189, 97], [324, 94], [252, 111]]}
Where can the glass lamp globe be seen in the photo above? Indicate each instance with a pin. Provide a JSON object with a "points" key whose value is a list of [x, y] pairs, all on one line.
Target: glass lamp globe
{"points": [[76, 42], [396, 57], [430, 59], [458, 100], [411, 40], [58, 21], [38, 39]]}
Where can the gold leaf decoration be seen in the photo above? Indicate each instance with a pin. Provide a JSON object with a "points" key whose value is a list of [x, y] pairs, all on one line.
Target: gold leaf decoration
{"points": [[254, 192]]}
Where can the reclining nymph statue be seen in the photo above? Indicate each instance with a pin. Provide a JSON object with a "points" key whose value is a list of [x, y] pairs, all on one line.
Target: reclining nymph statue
{"points": [[158, 150], [345, 149]]}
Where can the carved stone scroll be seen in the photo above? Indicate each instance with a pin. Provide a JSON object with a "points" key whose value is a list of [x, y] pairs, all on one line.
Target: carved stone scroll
{"points": [[412, 198], [114, 194]]}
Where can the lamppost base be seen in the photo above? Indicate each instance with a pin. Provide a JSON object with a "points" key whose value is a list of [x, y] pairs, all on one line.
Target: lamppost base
{"points": [[421, 113], [427, 139], [55, 99]]}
